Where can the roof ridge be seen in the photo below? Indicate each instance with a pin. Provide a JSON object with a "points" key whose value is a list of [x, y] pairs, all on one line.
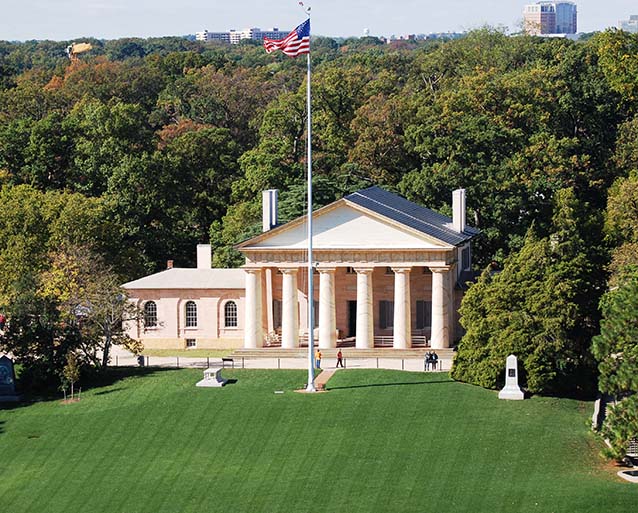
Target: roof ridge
{"points": [[406, 214]]}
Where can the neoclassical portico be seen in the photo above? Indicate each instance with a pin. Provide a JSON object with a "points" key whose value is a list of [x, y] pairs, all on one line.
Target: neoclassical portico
{"points": [[385, 271]]}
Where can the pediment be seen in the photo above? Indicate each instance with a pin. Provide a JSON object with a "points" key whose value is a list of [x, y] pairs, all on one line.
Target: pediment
{"points": [[343, 225]]}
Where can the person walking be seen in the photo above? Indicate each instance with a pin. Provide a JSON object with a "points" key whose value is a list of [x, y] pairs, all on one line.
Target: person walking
{"points": [[318, 359], [340, 359], [435, 359]]}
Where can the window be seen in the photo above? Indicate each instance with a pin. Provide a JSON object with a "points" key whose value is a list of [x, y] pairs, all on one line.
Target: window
{"points": [[423, 314], [191, 314], [230, 314], [388, 270], [150, 314], [465, 258], [350, 270], [191, 342], [386, 314]]}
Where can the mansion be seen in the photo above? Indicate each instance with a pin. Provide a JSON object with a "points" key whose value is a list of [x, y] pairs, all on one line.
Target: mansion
{"points": [[387, 272]]}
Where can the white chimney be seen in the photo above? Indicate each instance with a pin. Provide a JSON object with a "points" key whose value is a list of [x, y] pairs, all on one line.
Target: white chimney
{"points": [[270, 208], [458, 210], [204, 256]]}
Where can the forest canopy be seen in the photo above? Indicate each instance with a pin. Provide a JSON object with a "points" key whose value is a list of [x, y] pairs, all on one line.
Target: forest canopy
{"points": [[168, 143]]}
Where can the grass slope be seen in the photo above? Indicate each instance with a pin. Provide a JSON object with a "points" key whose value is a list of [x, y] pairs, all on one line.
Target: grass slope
{"points": [[378, 441]]}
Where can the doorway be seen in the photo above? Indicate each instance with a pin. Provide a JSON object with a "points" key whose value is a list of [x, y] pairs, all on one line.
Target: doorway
{"points": [[352, 318]]}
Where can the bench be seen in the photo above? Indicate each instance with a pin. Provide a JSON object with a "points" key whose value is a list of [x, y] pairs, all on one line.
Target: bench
{"points": [[226, 360]]}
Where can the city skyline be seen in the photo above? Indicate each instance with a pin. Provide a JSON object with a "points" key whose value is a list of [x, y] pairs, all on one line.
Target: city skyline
{"points": [[110, 19]]}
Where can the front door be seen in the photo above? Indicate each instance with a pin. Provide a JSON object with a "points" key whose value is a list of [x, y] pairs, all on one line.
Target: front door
{"points": [[352, 318]]}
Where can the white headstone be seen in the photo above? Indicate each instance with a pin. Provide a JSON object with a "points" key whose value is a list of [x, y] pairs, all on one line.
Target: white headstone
{"points": [[511, 390]]}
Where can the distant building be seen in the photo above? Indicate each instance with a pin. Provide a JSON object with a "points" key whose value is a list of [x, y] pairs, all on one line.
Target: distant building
{"points": [[550, 18], [206, 36], [235, 36], [630, 25]]}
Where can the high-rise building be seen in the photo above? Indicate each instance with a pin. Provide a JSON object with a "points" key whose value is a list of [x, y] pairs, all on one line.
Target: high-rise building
{"points": [[550, 18], [630, 25]]}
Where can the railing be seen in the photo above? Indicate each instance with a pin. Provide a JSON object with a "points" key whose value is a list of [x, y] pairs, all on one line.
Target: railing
{"points": [[388, 341]]}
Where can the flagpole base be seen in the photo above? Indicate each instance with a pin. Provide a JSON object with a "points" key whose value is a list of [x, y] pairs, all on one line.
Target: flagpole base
{"points": [[311, 388]]}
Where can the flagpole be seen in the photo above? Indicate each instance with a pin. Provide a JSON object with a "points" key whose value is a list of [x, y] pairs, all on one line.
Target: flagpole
{"points": [[311, 295]]}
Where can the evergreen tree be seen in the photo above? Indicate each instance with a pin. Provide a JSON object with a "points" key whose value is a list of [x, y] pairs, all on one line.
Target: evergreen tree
{"points": [[539, 308], [616, 349]]}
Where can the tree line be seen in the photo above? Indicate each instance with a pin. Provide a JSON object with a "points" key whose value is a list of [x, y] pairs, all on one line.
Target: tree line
{"points": [[145, 147]]}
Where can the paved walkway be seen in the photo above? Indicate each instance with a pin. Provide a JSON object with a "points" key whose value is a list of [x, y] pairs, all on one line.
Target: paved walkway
{"points": [[121, 357], [322, 379]]}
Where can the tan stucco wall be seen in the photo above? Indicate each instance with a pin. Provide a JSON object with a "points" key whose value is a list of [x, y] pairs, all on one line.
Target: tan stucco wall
{"points": [[171, 332], [180, 343]]}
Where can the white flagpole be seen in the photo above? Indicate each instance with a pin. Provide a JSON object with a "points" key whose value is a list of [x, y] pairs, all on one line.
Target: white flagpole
{"points": [[311, 297]]}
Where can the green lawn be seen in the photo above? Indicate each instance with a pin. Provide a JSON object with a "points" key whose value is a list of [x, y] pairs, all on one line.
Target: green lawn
{"points": [[379, 441]]}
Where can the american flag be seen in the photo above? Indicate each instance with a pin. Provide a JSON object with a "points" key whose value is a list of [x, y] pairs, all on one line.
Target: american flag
{"points": [[295, 43]]}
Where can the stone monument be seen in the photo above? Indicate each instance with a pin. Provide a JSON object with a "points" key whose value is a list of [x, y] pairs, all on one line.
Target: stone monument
{"points": [[7, 381], [212, 378], [511, 390]]}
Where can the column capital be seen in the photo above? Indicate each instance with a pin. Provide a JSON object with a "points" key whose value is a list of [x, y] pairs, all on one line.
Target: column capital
{"points": [[440, 269], [326, 269], [252, 270], [288, 270], [402, 269], [363, 270]]}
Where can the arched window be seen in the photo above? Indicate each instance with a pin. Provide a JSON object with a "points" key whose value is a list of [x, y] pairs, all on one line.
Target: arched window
{"points": [[150, 314], [230, 314], [191, 314]]}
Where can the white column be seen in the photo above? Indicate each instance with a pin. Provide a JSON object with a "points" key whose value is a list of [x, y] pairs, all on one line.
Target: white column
{"points": [[365, 320], [402, 314], [327, 311], [289, 310], [440, 337], [253, 328]]}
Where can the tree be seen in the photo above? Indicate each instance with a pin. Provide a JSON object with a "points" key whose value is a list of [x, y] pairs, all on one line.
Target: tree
{"points": [[34, 226], [541, 307], [88, 296], [71, 371], [621, 226], [616, 349]]}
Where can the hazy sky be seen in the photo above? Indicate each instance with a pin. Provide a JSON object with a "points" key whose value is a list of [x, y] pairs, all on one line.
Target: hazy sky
{"points": [[67, 19]]}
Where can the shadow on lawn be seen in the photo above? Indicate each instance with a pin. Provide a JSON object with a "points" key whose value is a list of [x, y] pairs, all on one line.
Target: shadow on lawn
{"points": [[1, 428], [392, 384], [89, 381], [112, 375]]}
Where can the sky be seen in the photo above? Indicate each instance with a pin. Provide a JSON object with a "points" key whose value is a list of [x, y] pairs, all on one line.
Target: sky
{"points": [[109, 19]]}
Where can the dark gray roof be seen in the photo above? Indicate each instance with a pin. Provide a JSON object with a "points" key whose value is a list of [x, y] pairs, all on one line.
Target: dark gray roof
{"points": [[412, 215]]}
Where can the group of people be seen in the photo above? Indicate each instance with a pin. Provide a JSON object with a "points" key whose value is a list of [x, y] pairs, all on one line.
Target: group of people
{"points": [[430, 359], [318, 359]]}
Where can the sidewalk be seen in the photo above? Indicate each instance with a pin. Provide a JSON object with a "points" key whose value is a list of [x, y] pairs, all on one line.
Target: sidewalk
{"points": [[121, 357]]}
